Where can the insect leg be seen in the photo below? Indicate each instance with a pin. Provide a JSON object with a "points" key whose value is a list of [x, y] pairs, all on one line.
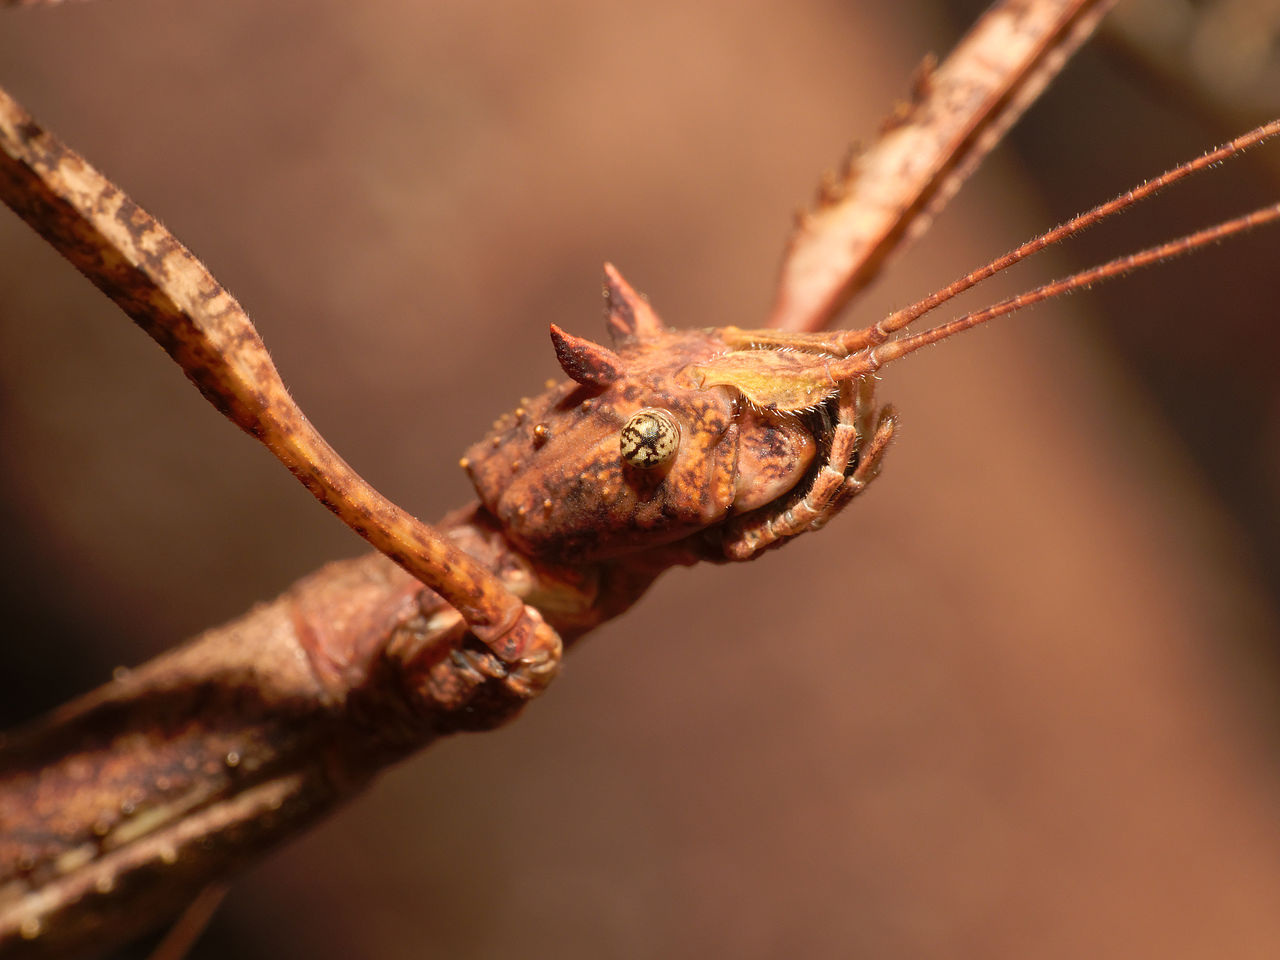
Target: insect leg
{"points": [[870, 457], [756, 531]]}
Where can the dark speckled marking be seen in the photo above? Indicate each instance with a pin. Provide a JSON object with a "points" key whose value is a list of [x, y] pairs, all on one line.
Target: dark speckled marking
{"points": [[649, 439]]}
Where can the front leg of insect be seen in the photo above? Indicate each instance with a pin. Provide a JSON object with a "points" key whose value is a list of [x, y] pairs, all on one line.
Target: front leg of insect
{"points": [[870, 455], [853, 460]]}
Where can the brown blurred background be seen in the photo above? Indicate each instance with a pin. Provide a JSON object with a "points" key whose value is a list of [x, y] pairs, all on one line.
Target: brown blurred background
{"points": [[1020, 701]]}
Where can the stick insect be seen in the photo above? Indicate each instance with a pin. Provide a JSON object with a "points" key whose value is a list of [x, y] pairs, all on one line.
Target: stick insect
{"points": [[580, 329]]}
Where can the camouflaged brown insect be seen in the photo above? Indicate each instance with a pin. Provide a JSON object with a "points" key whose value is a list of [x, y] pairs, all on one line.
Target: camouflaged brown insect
{"points": [[665, 447]]}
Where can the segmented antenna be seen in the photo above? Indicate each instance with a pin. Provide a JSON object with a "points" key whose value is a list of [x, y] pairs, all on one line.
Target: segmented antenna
{"points": [[879, 332], [872, 358]]}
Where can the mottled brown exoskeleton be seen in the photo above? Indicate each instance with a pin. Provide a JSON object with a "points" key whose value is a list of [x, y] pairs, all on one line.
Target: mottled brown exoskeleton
{"points": [[721, 441]]}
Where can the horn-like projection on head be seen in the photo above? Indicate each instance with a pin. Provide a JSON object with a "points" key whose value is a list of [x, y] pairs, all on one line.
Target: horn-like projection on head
{"points": [[588, 363], [627, 314]]}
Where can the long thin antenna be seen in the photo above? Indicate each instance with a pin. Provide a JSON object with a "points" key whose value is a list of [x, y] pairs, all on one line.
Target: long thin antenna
{"points": [[879, 332], [872, 358]]}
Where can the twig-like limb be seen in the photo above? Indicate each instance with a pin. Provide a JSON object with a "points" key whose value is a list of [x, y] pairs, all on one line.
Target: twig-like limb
{"points": [[891, 191], [170, 294]]}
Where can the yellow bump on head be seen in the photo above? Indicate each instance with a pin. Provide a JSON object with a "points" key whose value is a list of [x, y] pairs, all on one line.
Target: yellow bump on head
{"points": [[464, 463], [785, 381]]}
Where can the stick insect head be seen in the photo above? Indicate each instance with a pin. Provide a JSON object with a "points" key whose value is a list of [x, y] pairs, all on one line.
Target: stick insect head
{"points": [[651, 441], [621, 456]]}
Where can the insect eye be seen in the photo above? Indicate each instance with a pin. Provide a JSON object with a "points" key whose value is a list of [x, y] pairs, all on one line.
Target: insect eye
{"points": [[649, 439]]}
